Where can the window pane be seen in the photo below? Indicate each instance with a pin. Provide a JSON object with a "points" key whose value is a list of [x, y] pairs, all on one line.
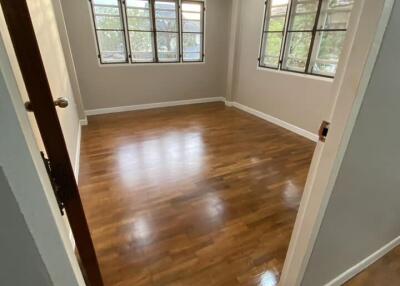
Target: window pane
{"points": [[276, 24], [272, 49], [336, 15], [191, 17], [337, 20], [275, 20], [106, 10], [166, 16], [138, 3], [191, 26], [297, 51], [136, 23], [192, 57], [106, 2], [165, 5], [191, 7], [329, 52], [138, 12], [167, 45], [112, 46], [166, 25], [303, 17], [191, 42], [141, 46], [108, 22], [169, 14]]}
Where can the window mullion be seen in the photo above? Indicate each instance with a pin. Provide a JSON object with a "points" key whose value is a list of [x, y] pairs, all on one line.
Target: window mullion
{"points": [[180, 34], [153, 19], [284, 46], [314, 32], [124, 15], [317, 41]]}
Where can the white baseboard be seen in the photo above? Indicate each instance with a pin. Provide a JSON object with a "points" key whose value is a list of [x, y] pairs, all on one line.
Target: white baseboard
{"points": [[151, 105], [83, 122], [274, 120], [359, 267], [269, 118], [228, 103]]}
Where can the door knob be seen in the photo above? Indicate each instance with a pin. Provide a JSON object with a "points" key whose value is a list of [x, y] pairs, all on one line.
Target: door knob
{"points": [[61, 102]]}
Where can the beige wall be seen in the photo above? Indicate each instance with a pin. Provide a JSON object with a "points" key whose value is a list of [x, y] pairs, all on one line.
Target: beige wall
{"points": [[303, 101], [123, 85]]}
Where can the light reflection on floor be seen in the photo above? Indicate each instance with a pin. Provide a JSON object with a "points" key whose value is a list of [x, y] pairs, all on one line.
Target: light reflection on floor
{"points": [[269, 278]]}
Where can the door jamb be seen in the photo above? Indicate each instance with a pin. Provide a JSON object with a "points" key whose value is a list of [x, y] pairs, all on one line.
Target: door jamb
{"points": [[311, 211]]}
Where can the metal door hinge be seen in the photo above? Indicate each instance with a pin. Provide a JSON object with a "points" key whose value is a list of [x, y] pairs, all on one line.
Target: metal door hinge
{"points": [[323, 131], [56, 188]]}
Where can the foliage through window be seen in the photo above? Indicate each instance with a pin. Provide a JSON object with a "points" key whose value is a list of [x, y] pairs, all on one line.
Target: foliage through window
{"points": [[149, 31], [304, 36]]}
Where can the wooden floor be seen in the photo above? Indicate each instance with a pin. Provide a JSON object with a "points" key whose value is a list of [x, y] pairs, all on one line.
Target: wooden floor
{"points": [[384, 272], [194, 195]]}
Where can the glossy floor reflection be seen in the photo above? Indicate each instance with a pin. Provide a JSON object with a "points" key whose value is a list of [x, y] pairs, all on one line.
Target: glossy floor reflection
{"points": [[192, 195]]}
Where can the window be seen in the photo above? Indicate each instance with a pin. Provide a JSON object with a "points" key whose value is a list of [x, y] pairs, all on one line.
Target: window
{"points": [[304, 36], [149, 31], [192, 31], [107, 16]]}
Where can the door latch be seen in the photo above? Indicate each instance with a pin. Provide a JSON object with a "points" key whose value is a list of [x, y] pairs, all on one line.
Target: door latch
{"points": [[56, 188], [323, 131]]}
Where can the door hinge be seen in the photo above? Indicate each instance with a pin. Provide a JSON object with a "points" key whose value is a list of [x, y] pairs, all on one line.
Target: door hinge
{"points": [[323, 131], [56, 188]]}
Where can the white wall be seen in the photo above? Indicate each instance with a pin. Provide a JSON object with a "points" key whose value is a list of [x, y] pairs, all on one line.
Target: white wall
{"points": [[363, 212], [123, 85]]}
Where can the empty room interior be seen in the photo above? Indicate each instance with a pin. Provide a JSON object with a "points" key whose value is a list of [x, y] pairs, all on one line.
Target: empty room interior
{"points": [[199, 142]]}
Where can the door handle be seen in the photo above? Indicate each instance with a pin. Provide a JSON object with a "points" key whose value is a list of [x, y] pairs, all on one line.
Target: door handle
{"points": [[61, 102]]}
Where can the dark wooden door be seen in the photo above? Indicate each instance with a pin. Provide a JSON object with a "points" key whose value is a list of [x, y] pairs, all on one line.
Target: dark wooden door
{"points": [[41, 103]]}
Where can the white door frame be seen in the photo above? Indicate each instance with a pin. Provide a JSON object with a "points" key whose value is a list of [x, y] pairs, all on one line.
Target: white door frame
{"points": [[351, 83]]}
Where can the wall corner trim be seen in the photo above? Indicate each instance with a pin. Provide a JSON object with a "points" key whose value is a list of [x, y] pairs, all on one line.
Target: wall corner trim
{"points": [[302, 132], [152, 105], [363, 264]]}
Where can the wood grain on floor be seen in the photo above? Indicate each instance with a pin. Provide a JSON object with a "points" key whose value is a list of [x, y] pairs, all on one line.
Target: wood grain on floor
{"points": [[191, 195]]}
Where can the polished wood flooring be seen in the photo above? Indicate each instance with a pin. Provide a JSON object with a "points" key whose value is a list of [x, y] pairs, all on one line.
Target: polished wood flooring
{"points": [[384, 272], [193, 195]]}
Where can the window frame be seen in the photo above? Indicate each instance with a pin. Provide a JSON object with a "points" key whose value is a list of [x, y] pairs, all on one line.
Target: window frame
{"points": [[202, 31], [123, 30], [316, 36], [123, 8]]}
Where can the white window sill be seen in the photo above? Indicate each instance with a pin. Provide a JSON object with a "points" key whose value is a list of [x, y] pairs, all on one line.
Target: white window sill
{"points": [[130, 65]]}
